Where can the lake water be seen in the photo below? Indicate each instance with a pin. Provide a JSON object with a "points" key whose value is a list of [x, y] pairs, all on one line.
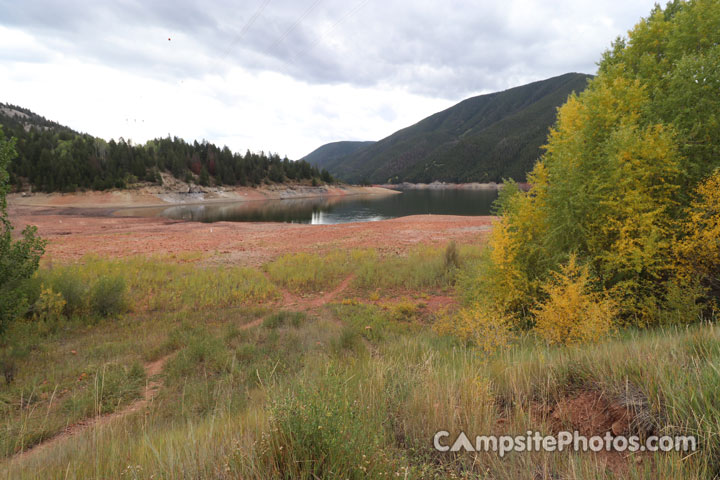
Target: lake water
{"points": [[332, 210]]}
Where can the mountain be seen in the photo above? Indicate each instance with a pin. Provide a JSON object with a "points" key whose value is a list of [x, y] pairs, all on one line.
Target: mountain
{"points": [[14, 117], [330, 153], [481, 139]]}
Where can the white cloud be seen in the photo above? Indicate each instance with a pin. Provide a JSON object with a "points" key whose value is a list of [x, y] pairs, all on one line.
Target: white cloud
{"points": [[255, 110], [286, 83]]}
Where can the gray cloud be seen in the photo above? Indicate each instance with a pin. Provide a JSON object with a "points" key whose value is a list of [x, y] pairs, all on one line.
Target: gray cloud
{"points": [[445, 49]]}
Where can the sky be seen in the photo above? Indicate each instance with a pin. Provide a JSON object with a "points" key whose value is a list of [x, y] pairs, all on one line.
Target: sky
{"points": [[286, 76]]}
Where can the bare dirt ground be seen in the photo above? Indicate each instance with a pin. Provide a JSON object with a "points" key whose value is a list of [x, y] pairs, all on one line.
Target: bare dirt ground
{"points": [[176, 192], [71, 236]]}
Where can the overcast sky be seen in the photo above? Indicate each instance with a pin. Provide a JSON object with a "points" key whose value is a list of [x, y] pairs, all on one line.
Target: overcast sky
{"points": [[286, 75]]}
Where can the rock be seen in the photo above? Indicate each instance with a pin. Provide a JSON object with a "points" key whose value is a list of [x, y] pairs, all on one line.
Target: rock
{"points": [[619, 428]]}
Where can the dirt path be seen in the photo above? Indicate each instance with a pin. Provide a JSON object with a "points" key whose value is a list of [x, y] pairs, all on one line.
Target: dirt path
{"points": [[331, 295], [292, 300], [152, 371]]}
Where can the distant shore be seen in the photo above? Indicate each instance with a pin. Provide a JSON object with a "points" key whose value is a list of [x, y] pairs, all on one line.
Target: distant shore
{"points": [[448, 186], [153, 196]]}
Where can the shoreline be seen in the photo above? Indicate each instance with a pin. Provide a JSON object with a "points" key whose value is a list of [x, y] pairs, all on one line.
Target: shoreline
{"points": [[442, 186], [437, 185], [153, 196]]}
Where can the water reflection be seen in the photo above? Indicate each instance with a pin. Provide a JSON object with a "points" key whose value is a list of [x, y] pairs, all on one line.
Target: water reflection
{"points": [[331, 210]]}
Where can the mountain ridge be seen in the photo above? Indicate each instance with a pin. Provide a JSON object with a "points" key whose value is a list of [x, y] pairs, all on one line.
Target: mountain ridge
{"points": [[480, 139], [330, 152]]}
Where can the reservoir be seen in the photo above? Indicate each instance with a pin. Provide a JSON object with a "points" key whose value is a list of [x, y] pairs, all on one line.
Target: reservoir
{"points": [[332, 209]]}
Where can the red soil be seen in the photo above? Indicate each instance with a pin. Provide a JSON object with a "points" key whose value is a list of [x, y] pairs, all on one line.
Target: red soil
{"points": [[75, 235]]}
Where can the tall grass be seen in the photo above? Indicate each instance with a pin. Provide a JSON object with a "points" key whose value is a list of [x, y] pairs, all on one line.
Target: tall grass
{"points": [[422, 267], [279, 403], [155, 284], [350, 391], [303, 272]]}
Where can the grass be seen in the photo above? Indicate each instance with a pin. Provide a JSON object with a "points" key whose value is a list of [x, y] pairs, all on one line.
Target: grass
{"points": [[303, 272], [422, 268], [157, 284], [349, 390]]}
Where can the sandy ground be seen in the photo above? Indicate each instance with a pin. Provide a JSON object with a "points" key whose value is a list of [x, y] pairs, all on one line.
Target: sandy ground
{"points": [[71, 236], [182, 194]]}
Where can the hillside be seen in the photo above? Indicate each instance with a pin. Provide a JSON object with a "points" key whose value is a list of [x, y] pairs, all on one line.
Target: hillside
{"points": [[52, 157], [484, 138], [331, 153], [14, 117]]}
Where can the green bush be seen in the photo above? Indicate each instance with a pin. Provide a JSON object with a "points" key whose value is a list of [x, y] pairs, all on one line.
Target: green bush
{"points": [[107, 296], [30, 289], [73, 290], [19, 258]]}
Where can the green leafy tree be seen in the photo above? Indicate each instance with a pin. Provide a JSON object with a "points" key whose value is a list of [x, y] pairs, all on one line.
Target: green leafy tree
{"points": [[620, 166], [18, 258]]}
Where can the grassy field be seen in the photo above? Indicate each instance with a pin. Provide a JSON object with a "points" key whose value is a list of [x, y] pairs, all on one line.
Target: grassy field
{"points": [[353, 386]]}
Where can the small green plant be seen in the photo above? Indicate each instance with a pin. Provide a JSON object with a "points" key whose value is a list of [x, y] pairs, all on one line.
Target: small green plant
{"points": [[320, 431], [402, 311], [49, 306], [452, 256], [107, 296], [349, 341], [284, 318], [112, 385]]}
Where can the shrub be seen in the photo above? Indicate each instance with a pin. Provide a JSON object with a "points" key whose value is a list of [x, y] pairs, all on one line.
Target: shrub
{"points": [[699, 250], [618, 169], [18, 258], [501, 204], [202, 354], [73, 290], [482, 326], [318, 430], [402, 311], [49, 306], [107, 296], [682, 303], [572, 312], [452, 256]]}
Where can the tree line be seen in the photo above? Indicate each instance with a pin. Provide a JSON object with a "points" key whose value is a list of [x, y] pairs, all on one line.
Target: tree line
{"points": [[57, 159]]}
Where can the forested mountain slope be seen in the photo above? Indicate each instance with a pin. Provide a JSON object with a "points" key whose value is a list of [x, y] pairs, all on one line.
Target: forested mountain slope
{"points": [[484, 138]]}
